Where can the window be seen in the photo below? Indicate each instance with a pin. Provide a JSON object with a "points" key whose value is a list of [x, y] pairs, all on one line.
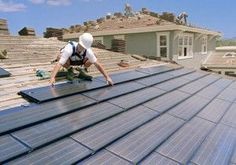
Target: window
{"points": [[204, 45], [185, 45], [163, 44]]}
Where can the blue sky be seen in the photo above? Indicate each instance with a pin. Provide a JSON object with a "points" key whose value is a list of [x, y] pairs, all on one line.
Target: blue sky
{"points": [[217, 15]]}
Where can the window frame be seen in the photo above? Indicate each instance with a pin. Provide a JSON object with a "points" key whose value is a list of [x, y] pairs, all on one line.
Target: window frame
{"points": [[167, 46], [185, 44]]}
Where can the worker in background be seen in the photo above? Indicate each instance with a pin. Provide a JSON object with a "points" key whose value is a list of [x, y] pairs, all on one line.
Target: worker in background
{"points": [[78, 54], [182, 18]]}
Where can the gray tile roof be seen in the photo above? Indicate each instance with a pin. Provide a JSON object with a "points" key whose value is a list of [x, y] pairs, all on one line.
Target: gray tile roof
{"points": [[159, 115]]}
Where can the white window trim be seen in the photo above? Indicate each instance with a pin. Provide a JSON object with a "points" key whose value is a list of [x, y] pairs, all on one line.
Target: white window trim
{"points": [[99, 39], [202, 44], [188, 55], [167, 34]]}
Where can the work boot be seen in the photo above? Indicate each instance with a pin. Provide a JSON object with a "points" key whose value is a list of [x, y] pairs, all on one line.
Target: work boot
{"points": [[70, 74], [83, 74]]}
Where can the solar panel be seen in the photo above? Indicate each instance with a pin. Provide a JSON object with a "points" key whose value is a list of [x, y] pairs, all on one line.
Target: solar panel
{"points": [[155, 159], [136, 98], [34, 114], [211, 151], [52, 130], [156, 115], [172, 84], [167, 101], [229, 117], [152, 80], [214, 89], [181, 71], [233, 159], [65, 151], [48, 93], [113, 91], [228, 94], [188, 108], [195, 75], [9, 147], [108, 131], [138, 144], [215, 110], [155, 69], [122, 77], [4, 73], [104, 157], [181, 145]]}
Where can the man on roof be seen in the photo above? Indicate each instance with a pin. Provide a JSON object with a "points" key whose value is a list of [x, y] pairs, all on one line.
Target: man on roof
{"points": [[78, 54]]}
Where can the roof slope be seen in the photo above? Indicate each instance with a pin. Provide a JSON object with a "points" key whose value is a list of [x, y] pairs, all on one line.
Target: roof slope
{"points": [[28, 54], [221, 59], [139, 23], [142, 20], [118, 22], [163, 115]]}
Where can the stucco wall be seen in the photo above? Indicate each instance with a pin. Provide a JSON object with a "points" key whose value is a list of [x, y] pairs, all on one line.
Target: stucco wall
{"points": [[107, 41], [211, 45], [194, 62], [142, 44], [198, 58], [173, 46]]}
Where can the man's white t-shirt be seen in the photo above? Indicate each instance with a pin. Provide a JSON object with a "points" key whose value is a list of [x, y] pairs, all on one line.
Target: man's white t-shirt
{"points": [[67, 52]]}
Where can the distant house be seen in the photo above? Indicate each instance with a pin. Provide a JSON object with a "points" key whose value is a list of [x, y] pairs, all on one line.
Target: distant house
{"points": [[154, 37], [223, 61]]}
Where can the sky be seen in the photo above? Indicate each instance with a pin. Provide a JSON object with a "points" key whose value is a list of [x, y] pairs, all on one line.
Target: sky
{"points": [[216, 15]]}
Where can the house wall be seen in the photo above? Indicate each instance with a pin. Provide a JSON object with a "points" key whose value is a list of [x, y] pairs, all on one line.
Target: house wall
{"points": [[107, 41], [193, 62], [142, 44], [197, 45], [173, 46], [212, 44], [198, 57], [146, 44]]}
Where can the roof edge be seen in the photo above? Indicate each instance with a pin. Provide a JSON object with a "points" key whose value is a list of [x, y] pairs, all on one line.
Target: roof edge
{"points": [[146, 29]]}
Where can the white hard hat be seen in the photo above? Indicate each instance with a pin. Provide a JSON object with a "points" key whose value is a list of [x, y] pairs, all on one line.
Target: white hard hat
{"points": [[86, 40]]}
